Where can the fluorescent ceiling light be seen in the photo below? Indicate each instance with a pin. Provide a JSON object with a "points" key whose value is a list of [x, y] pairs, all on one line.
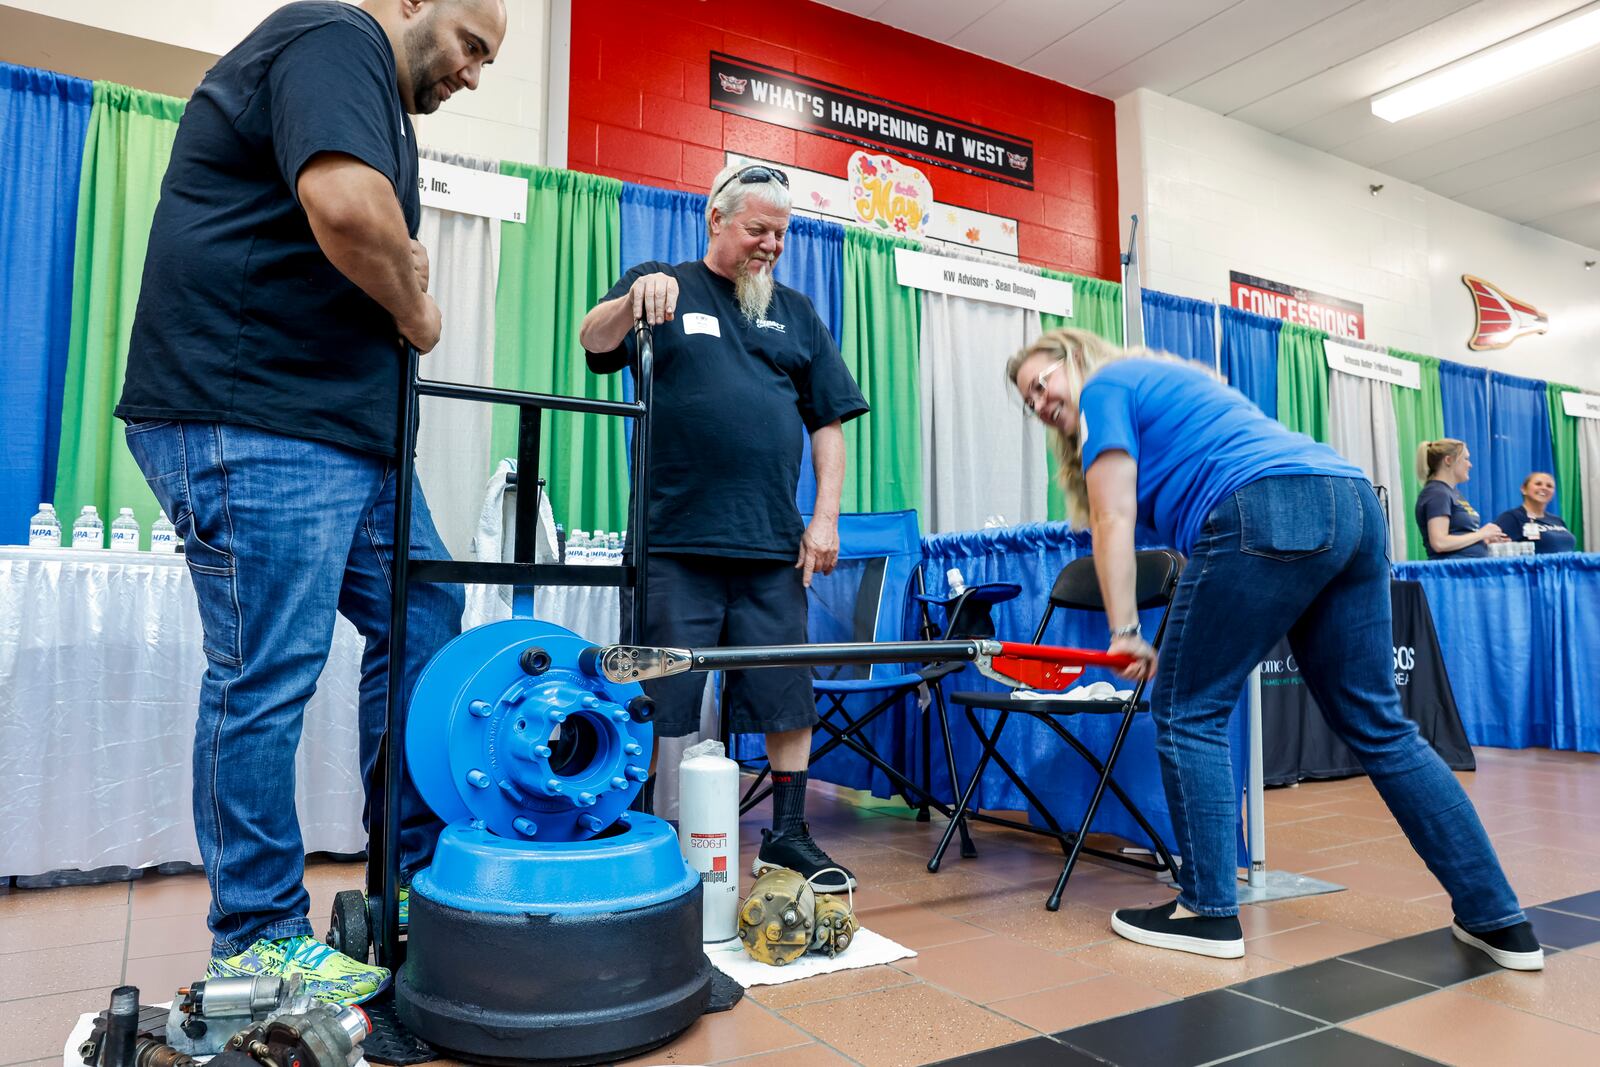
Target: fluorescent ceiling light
{"points": [[1512, 58]]}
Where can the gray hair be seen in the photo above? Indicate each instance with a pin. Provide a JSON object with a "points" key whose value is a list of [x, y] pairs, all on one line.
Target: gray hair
{"points": [[731, 196]]}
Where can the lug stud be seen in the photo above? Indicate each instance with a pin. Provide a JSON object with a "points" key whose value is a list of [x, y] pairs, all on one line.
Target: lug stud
{"points": [[478, 779]]}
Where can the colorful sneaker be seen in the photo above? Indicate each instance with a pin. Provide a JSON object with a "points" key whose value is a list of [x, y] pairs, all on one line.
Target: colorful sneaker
{"points": [[327, 975], [405, 905]]}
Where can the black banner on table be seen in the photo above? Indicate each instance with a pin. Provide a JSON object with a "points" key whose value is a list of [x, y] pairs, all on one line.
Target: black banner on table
{"points": [[1296, 741], [784, 98]]}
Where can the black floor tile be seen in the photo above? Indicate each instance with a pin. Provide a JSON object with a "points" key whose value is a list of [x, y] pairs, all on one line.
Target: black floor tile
{"points": [[1557, 930], [1332, 1048], [1197, 1030], [1585, 904], [1434, 957], [1035, 1052], [1332, 990]]}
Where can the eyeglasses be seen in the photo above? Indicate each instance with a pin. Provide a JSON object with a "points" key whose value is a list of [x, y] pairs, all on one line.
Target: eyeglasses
{"points": [[1036, 391], [755, 175]]}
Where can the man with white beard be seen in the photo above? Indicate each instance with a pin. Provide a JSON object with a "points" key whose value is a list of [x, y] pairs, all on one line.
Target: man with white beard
{"points": [[743, 367]]}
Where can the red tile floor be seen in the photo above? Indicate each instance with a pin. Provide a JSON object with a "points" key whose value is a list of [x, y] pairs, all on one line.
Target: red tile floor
{"points": [[993, 967]]}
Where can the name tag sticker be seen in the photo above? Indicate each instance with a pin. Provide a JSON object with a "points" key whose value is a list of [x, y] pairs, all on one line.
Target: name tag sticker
{"points": [[695, 322]]}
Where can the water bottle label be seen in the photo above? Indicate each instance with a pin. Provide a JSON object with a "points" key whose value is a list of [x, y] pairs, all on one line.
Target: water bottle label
{"points": [[44, 537], [124, 540], [163, 541], [86, 538]]}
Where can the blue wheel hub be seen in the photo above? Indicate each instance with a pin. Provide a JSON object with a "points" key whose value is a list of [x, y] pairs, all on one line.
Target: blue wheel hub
{"points": [[508, 731]]}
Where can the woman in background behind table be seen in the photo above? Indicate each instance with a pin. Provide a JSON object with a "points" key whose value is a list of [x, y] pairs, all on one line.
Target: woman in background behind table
{"points": [[1449, 524], [1283, 536], [1533, 522]]}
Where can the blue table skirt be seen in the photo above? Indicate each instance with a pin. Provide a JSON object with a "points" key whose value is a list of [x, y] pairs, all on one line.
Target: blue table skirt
{"points": [[1521, 640]]}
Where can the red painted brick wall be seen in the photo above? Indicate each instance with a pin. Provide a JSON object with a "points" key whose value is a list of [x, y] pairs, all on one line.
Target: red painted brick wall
{"points": [[640, 110]]}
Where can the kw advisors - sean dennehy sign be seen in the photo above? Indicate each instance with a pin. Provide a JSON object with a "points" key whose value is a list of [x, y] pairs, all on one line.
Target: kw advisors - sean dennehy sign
{"points": [[741, 87]]}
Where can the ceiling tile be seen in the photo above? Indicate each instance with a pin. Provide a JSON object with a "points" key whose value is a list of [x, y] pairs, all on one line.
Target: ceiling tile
{"points": [[1017, 29], [937, 20], [1350, 32], [1118, 36], [1535, 194]]}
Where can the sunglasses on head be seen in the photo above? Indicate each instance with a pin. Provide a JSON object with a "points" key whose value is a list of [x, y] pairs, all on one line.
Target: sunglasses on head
{"points": [[755, 175]]}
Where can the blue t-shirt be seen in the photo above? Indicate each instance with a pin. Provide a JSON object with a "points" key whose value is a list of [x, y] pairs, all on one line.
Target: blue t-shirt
{"points": [[241, 317], [1196, 441], [1548, 533], [1436, 500]]}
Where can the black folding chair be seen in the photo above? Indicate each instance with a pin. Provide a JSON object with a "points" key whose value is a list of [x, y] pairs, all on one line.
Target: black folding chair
{"points": [[1077, 588]]}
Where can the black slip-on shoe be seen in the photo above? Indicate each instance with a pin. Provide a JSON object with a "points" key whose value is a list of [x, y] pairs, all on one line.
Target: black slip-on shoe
{"points": [[798, 852], [1220, 938], [1515, 948]]}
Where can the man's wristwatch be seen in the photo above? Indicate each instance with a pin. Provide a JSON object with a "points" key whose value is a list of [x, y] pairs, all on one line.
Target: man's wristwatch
{"points": [[1127, 631]]}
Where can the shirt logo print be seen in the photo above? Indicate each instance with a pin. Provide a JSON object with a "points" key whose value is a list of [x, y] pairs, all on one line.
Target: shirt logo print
{"points": [[769, 324]]}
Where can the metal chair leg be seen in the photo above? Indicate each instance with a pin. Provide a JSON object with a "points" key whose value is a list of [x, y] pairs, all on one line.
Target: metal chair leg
{"points": [[959, 818]]}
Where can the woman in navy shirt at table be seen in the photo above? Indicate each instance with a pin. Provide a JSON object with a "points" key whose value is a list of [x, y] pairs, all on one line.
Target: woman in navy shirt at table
{"points": [[1449, 525], [1282, 536], [1534, 522]]}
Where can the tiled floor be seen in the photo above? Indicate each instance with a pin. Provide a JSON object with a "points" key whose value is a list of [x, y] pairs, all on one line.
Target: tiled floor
{"points": [[1358, 977]]}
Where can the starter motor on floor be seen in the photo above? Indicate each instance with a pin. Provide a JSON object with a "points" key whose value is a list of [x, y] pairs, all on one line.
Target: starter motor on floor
{"points": [[783, 918]]}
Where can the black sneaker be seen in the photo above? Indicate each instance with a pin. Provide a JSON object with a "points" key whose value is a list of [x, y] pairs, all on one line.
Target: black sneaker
{"points": [[1203, 935], [798, 852], [1513, 947]]}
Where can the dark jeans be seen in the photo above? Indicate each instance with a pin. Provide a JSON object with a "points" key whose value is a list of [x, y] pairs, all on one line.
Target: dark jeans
{"points": [[1303, 555], [281, 534]]}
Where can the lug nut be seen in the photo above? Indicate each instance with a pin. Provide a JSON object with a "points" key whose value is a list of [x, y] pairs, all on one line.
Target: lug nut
{"points": [[535, 661], [524, 826], [638, 774], [480, 708], [619, 783], [478, 779], [542, 751], [586, 799], [590, 823]]}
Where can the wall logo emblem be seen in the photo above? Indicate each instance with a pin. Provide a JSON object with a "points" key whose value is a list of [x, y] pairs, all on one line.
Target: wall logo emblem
{"points": [[733, 85], [888, 194], [1017, 162], [1501, 317]]}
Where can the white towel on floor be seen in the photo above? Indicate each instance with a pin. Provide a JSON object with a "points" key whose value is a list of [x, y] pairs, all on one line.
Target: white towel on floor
{"points": [[867, 949]]}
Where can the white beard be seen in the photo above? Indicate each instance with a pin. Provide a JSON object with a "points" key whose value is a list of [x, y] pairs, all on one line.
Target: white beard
{"points": [[754, 292]]}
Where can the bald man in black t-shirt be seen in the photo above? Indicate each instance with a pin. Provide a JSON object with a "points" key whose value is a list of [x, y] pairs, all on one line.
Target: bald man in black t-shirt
{"points": [[261, 395]]}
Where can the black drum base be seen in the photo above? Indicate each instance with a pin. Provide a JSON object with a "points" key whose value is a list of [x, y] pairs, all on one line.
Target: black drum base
{"points": [[553, 988]]}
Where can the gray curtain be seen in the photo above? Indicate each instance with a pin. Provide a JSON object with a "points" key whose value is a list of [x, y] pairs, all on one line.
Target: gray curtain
{"points": [[1589, 464], [980, 455], [1363, 430], [453, 460]]}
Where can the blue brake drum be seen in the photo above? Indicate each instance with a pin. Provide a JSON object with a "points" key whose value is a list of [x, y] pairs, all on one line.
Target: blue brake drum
{"points": [[479, 739]]}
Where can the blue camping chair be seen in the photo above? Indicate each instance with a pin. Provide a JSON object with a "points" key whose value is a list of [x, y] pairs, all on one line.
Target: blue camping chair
{"points": [[875, 594]]}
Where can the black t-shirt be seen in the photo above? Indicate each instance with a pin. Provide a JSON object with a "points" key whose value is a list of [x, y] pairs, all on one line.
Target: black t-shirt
{"points": [[1437, 499], [732, 400], [241, 318], [1548, 533]]}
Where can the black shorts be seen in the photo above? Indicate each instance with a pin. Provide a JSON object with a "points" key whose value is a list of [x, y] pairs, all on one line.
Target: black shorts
{"points": [[708, 601]]}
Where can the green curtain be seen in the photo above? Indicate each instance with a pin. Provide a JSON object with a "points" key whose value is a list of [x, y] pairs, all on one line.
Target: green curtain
{"points": [[124, 159], [1569, 467], [1097, 307], [881, 327], [1303, 381], [1419, 417], [553, 269]]}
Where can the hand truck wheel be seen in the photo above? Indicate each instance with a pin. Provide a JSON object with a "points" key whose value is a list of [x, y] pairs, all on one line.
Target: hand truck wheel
{"points": [[349, 929]]}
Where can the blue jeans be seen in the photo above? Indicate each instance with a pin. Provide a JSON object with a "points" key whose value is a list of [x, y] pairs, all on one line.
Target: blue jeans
{"points": [[1303, 555], [280, 534]]}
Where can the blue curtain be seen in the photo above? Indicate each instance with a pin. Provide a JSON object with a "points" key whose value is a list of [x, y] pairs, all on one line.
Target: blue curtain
{"points": [[1250, 356], [1519, 427], [813, 262], [1464, 394], [44, 118], [1181, 326], [1518, 638], [1031, 556], [659, 224]]}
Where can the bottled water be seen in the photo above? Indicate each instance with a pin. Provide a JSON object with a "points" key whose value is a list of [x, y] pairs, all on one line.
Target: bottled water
{"points": [[578, 547], [44, 529], [163, 535], [613, 548], [88, 531], [561, 543], [955, 581], [125, 532]]}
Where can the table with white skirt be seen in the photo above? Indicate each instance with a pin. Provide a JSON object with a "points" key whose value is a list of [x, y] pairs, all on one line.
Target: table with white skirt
{"points": [[100, 667]]}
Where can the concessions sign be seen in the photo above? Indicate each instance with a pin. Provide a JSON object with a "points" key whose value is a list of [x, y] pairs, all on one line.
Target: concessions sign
{"points": [[783, 98], [1342, 318]]}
